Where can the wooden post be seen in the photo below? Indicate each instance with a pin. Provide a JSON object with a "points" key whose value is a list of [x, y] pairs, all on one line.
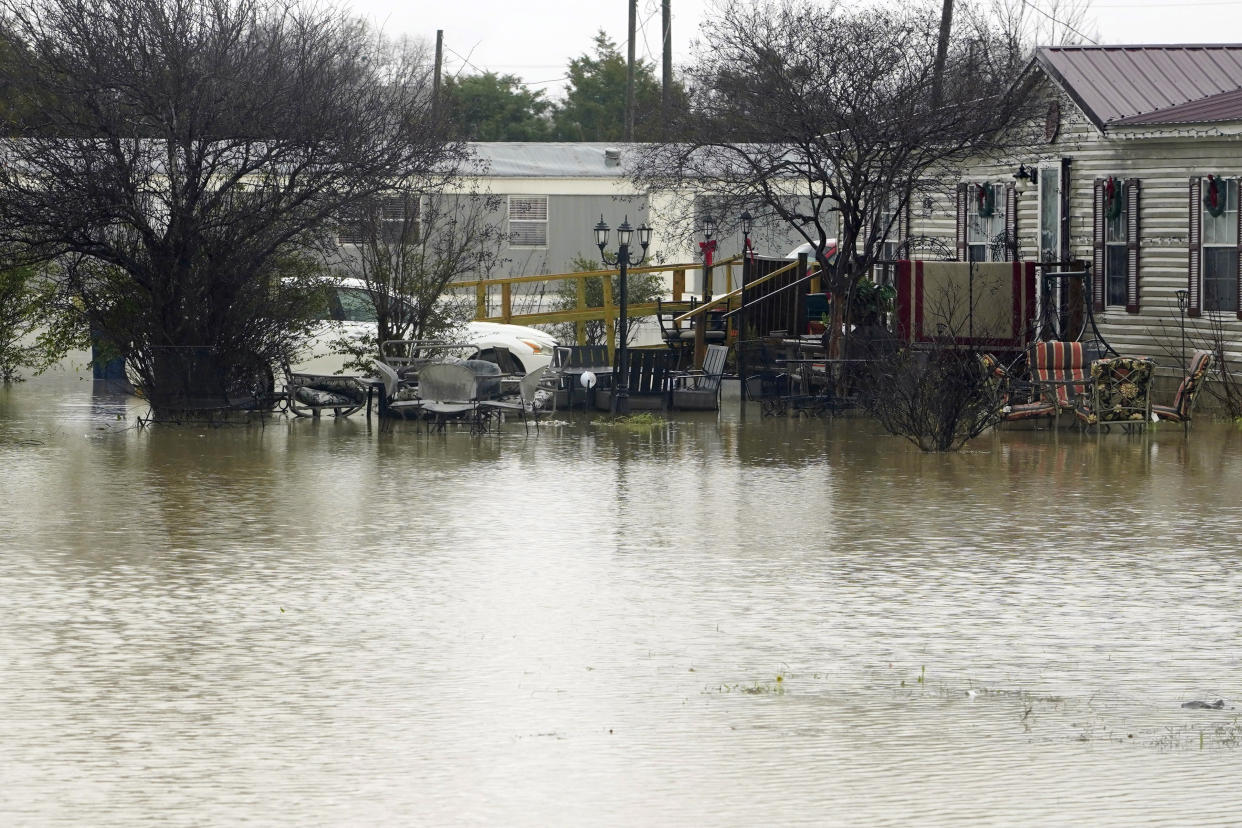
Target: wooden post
{"points": [[506, 302], [679, 284], [580, 324], [480, 301], [610, 317]]}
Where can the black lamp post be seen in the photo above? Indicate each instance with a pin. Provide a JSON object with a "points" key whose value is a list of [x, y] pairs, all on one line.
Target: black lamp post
{"points": [[622, 261], [708, 246], [1183, 301], [748, 224]]}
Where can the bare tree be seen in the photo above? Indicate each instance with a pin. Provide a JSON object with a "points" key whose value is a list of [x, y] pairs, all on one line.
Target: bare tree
{"points": [[800, 112], [195, 147], [408, 247], [942, 396]]}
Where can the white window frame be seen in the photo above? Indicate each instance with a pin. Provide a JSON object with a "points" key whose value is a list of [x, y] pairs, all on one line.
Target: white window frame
{"points": [[528, 221], [981, 231], [1219, 232]]}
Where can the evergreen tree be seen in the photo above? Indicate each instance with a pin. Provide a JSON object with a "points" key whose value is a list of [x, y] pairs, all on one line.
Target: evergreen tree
{"points": [[492, 107]]}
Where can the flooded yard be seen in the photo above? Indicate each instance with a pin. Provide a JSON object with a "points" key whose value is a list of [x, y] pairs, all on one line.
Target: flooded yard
{"points": [[722, 621]]}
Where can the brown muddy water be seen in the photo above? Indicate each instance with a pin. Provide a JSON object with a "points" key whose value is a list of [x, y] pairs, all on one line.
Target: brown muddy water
{"points": [[724, 621]]}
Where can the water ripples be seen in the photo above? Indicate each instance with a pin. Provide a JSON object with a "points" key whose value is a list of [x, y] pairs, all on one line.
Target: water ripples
{"points": [[726, 620]]}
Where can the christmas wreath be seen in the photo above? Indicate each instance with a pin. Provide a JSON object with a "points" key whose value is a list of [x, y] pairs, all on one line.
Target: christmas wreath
{"points": [[1114, 197], [1214, 199], [985, 198]]}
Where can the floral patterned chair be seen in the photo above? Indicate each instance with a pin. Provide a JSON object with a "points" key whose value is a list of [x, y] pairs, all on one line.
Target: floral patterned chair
{"points": [[1187, 392], [1119, 394]]}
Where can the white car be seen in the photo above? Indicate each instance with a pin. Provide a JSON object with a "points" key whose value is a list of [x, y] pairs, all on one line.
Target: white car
{"points": [[352, 314]]}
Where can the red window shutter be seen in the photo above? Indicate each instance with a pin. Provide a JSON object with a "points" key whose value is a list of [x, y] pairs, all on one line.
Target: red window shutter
{"points": [[961, 221], [1240, 250], [1132, 245], [1098, 276], [1195, 249], [1011, 223]]}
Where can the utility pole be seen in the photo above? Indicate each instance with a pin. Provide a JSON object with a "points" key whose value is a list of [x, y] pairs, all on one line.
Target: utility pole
{"points": [[629, 75], [435, 78], [942, 51], [666, 89]]}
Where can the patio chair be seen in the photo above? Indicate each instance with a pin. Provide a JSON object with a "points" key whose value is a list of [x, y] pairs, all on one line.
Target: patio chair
{"points": [[308, 395], [525, 404], [649, 380], [1002, 384], [1187, 392], [393, 402], [449, 390], [766, 381], [569, 362], [1120, 394], [701, 389], [1059, 370], [680, 337]]}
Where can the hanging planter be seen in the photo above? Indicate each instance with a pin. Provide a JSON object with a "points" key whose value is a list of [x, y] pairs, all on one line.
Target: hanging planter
{"points": [[1114, 197], [1214, 198], [985, 198]]}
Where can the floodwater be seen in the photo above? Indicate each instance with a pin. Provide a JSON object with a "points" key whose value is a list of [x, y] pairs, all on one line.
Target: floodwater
{"points": [[725, 621]]}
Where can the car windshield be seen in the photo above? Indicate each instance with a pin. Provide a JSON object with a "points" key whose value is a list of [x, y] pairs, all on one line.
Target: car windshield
{"points": [[352, 305]]}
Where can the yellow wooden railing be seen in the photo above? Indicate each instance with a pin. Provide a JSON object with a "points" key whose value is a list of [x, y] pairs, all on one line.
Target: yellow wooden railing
{"points": [[494, 298]]}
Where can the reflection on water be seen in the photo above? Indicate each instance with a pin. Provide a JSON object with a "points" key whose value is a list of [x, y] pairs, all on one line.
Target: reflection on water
{"points": [[723, 620]]}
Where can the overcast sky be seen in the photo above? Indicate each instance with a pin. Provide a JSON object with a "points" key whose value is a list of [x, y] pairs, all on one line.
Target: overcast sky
{"points": [[535, 39]]}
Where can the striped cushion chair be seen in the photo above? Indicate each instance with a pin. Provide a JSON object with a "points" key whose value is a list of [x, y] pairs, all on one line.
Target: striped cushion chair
{"points": [[1061, 369], [1192, 384]]}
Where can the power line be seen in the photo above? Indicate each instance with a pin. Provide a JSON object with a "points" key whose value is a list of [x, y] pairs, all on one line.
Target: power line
{"points": [[1090, 40], [1163, 4]]}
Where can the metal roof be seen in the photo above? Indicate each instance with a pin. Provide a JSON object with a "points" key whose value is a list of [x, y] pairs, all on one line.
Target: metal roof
{"points": [[1227, 106], [1133, 84], [539, 159]]}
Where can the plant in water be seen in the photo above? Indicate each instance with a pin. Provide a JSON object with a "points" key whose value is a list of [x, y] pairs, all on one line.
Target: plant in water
{"points": [[641, 421]]}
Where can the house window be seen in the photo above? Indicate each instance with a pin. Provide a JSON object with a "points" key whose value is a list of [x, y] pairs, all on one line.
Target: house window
{"points": [[1220, 246], [890, 225], [985, 222], [1116, 270], [528, 221], [388, 219]]}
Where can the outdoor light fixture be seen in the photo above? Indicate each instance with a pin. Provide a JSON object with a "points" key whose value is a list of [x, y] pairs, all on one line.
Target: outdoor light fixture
{"points": [[748, 224], [709, 227], [1024, 178], [622, 261]]}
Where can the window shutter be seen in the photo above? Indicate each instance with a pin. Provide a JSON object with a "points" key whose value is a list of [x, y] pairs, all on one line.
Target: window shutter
{"points": [[961, 221], [1240, 247], [1132, 245], [1011, 223], [1098, 276], [1195, 250]]}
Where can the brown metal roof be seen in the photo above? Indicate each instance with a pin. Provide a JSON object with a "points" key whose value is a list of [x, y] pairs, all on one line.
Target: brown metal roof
{"points": [[1113, 84], [1227, 106]]}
